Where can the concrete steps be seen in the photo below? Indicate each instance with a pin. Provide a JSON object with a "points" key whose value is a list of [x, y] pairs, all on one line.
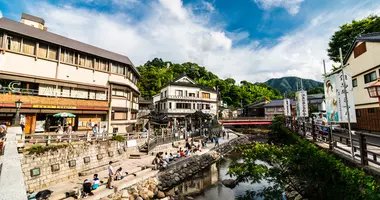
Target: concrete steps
{"points": [[137, 155]]}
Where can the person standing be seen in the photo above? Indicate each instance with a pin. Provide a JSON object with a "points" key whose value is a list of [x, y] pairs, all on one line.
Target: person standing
{"points": [[69, 129], [22, 125], [110, 175], [59, 132], [216, 141], [95, 130]]}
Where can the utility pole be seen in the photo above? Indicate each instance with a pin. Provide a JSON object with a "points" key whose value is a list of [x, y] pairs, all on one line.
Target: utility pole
{"points": [[347, 107]]}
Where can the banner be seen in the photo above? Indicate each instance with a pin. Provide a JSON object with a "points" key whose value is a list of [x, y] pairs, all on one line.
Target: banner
{"points": [[336, 109], [342, 106], [287, 109], [302, 107], [40, 126]]}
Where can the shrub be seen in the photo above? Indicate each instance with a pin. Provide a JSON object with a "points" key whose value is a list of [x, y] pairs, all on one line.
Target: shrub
{"points": [[118, 138]]}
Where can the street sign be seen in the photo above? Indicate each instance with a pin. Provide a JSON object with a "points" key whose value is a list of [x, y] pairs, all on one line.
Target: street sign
{"points": [[287, 109], [302, 107]]}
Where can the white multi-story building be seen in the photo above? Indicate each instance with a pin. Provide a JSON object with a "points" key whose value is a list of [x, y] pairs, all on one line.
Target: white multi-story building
{"points": [[183, 96], [51, 74]]}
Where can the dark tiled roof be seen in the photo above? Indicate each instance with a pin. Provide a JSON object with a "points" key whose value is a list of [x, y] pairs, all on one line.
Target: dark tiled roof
{"points": [[315, 96], [369, 37], [36, 33], [279, 103], [32, 18]]}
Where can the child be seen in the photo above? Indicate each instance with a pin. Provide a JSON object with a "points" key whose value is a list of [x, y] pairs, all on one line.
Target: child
{"points": [[95, 182]]}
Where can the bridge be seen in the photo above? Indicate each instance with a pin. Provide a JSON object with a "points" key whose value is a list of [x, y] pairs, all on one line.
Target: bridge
{"points": [[246, 121]]}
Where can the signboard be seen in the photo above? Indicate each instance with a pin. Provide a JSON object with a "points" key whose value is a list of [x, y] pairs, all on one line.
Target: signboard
{"points": [[287, 109], [40, 126], [131, 143], [302, 107], [53, 107], [336, 109]]}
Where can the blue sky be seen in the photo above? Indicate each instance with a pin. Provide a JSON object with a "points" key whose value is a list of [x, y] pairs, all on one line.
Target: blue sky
{"points": [[251, 40]]}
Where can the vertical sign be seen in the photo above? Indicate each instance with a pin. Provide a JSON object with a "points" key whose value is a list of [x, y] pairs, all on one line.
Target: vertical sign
{"points": [[341, 103], [302, 104], [331, 99], [287, 110]]}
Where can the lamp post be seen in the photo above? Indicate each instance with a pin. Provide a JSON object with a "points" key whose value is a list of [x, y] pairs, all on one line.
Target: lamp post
{"points": [[374, 90], [16, 119]]}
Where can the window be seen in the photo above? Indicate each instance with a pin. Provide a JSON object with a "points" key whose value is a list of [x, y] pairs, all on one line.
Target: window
{"points": [[28, 46], [183, 105], [207, 106], [82, 60], [42, 50], [89, 62], [191, 94], [162, 95], [120, 115], [103, 65], [117, 69], [205, 95], [114, 68], [194, 106], [179, 93], [164, 105], [370, 77], [165, 93], [185, 93], [133, 116], [67, 56], [360, 49], [371, 110], [357, 113], [52, 52], [170, 105], [354, 82], [14, 43], [1, 40]]}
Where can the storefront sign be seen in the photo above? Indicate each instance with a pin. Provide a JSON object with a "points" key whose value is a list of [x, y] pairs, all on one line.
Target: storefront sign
{"points": [[53, 107], [13, 86], [302, 104]]}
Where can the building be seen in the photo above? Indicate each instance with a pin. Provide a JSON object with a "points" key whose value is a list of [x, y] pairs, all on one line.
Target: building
{"points": [[316, 103], [274, 108], [183, 96], [255, 109], [363, 63], [145, 107], [50, 74]]}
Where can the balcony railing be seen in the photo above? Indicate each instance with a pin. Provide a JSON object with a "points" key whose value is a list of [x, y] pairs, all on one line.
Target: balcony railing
{"points": [[188, 98]]}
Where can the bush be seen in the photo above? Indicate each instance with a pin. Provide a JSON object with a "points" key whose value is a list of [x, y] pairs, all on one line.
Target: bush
{"points": [[118, 138], [38, 149]]}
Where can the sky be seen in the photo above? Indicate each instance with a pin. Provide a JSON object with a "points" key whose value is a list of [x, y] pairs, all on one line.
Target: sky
{"points": [[252, 40]]}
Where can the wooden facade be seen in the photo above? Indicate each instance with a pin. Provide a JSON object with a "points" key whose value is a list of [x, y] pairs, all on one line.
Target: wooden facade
{"points": [[368, 119]]}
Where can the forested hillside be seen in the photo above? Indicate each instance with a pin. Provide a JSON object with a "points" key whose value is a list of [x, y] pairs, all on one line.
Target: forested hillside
{"points": [[289, 84], [156, 73]]}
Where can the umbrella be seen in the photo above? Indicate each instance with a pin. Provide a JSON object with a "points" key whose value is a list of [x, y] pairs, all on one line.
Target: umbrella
{"points": [[64, 114]]}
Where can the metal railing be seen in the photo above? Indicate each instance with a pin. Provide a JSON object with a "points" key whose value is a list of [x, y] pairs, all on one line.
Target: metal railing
{"points": [[248, 118], [366, 146]]}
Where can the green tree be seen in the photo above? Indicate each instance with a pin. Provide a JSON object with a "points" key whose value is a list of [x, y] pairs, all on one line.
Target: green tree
{"points": [[344, 37]]}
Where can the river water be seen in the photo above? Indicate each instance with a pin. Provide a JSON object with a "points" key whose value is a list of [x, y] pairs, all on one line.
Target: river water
{"points": [[207, 185]]}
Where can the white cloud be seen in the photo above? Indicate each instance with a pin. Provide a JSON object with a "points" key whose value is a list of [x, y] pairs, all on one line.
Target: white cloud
{"points": [[1, 14], [208, 6], [292, 6], [173, 32]]}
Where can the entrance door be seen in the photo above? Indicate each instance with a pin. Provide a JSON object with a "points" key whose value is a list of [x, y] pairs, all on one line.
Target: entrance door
{"points": [[28, 124]]}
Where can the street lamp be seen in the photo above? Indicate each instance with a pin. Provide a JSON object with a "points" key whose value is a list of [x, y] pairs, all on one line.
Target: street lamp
{"points": [[16, 119], [374, 90]]}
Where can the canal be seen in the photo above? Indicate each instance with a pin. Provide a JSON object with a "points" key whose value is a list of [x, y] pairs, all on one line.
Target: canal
{"points": [[207, 184]]}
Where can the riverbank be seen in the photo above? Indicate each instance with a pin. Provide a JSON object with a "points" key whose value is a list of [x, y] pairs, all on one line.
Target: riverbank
{"points": [[163, 185]]}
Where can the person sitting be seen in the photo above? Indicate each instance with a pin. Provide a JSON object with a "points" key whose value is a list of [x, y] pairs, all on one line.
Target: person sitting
{"points": [[118, 174], [171, 157], [187, 153], [181, 153], [167, 158], [178, 154], [87, 189], [95, 182]]}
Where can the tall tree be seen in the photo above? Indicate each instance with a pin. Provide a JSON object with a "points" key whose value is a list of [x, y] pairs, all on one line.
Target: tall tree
{"points": [[344, 37]]}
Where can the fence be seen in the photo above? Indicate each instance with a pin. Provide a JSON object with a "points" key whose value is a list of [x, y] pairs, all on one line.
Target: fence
{"points": [[57, 138], [366, 146]]}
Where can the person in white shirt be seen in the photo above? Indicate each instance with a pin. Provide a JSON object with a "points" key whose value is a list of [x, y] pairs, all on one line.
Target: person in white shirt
{"points": [[110, 175], [321, 120], [167, 158]]}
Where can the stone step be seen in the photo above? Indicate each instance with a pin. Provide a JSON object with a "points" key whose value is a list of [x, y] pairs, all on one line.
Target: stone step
{"points": [[98, 168], [137, 155]]}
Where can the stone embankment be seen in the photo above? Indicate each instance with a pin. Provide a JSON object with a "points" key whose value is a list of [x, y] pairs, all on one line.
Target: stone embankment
{"points": [[160, 186]]}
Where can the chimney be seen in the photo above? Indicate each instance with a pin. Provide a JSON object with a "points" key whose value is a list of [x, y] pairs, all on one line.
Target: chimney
{"points": [[34, 21]]}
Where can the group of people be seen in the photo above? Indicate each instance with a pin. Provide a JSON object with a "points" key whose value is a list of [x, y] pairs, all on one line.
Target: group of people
{"points": [[3, 129], [69, 130], [89, 186]]}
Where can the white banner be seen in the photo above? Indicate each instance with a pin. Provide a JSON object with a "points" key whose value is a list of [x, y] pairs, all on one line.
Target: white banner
{"points": [[302, 104], [287, 109], [341, 99], [131, 143]]}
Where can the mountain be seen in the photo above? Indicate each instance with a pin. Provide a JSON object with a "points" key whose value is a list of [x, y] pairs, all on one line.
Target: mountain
{"points": [[289, 84]]}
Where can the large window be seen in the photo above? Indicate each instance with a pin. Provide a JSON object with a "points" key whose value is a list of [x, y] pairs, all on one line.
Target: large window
{"points": [[14, 43], [370, 77], [179, 93], [121, 93], [205, 95], [67, 56], [103, 65], [89, 61], [28, 46], [183, 105], [120, 115], [118, 69], [42, 50], [52, 52], [354, 82]]}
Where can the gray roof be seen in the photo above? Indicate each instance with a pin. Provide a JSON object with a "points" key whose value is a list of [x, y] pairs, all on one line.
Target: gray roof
{"points": [[33, 18], [315, 96], [36, 33], [279, 103], [369, 37]]}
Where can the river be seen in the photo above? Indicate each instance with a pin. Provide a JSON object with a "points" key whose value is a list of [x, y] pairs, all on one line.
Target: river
{"points": [[207, 185]]}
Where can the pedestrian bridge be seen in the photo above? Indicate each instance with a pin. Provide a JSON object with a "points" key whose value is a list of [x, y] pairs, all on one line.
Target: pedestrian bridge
{"points": [[246, 121]]}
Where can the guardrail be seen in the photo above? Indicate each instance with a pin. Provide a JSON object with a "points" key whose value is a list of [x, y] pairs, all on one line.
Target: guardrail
{"points": [[57, 138], [366, 146]]}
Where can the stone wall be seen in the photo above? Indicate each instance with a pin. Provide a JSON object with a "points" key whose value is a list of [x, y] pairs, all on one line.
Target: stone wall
{"points": [[65, 163]]}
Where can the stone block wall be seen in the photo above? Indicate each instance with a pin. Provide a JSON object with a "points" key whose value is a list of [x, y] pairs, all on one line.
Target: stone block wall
{"points": [[54, 165]]}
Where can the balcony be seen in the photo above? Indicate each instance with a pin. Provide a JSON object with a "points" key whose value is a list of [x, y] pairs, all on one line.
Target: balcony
{"points": [[189, 98], [185, 111]]}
